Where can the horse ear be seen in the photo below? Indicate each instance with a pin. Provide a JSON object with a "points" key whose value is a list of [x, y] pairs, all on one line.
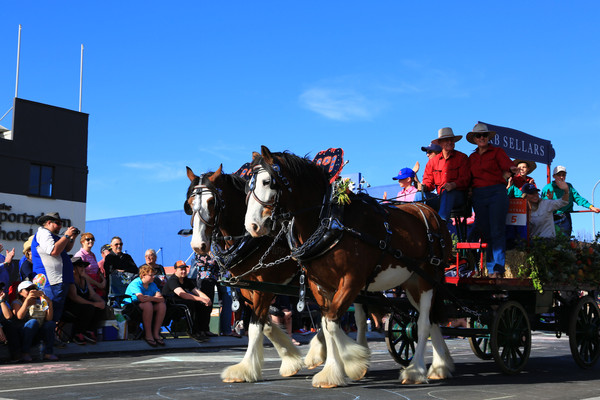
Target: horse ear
{"points": [[190, 174], [266, 154], [255, 155], [216, 174]]}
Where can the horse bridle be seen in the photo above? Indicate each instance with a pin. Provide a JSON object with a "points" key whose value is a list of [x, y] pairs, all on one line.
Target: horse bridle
{"points": [[207, 188]]}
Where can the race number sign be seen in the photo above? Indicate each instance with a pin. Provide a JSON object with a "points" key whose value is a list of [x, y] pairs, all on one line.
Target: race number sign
{"points": [[517, 212]]}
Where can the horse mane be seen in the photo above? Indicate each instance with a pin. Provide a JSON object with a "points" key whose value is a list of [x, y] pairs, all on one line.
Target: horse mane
{"points": [[234, 180], [301, 169]]}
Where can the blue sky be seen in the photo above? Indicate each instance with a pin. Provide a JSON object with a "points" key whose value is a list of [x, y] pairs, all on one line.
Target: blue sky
{"points": [[202, 83]]}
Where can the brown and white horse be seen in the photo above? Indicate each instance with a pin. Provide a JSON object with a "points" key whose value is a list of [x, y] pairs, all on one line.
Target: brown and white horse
{"points": [[380, 248], [216, 201]]}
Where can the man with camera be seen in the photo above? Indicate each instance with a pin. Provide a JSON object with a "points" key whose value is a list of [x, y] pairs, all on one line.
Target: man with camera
{"points": [[49, 257]]}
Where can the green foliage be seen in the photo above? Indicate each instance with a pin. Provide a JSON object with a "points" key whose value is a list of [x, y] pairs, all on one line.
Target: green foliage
{"points": [[342, 189], [561, 261]]}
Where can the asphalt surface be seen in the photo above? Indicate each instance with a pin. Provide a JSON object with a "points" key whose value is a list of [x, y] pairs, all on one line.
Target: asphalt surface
{"points": [[192, 372]]}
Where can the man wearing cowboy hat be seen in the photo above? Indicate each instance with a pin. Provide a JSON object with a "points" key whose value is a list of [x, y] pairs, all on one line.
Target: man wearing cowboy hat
{"points": [[516, 182], [562, 216], [49, 257], [447, 173]]}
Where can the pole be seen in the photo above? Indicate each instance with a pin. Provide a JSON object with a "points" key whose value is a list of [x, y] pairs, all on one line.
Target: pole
{"points": [[594, 214], [18, 62], [80, 77]]}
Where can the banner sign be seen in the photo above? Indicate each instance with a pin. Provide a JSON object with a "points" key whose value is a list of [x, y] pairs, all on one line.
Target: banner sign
{"points": [[517, 212], [520, 145]]}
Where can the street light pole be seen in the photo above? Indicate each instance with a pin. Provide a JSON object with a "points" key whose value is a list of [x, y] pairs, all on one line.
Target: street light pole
{"points": [[594, 214]]}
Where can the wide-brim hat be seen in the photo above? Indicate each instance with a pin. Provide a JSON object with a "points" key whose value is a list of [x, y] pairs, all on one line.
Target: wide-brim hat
{"points": [[27, 244], [479, 128], [446, 133], [531, 165], [53, 216]]}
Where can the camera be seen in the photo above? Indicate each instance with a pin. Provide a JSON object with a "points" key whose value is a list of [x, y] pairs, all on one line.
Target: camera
{"points": [[77, 231]]}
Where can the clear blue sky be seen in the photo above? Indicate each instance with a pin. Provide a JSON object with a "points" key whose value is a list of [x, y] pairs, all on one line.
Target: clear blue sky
{"points": [[198, 83]]}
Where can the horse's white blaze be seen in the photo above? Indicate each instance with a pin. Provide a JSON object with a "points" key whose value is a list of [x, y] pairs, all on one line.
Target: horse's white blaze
{"points": [[200, 242], [391, 277], [256, 220]]}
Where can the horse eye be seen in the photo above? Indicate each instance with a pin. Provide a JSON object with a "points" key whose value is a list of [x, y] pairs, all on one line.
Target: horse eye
{"points": [[266, 182]]}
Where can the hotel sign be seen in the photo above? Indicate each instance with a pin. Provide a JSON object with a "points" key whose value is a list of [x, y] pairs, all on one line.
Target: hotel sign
{"points": [[26, 220]]}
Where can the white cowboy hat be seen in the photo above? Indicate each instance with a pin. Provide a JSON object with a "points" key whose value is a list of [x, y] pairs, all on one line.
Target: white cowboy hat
{"points": [[531, 165], [446, 133], [479, 128]]}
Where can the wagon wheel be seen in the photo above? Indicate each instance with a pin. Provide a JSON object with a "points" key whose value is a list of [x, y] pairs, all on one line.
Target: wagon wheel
{"points": [[401, 336], [511, 337], [584, 332], [480, 344]]}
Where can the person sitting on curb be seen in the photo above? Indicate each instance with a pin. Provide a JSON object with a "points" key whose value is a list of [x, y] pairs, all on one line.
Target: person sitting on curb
{"points": [[84, 304], [35, 309], [562, 216], [541, 221], [183, 290]]}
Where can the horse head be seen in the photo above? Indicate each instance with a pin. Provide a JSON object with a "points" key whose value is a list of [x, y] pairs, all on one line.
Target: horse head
{"points": [[202, 204], [281, 182]]}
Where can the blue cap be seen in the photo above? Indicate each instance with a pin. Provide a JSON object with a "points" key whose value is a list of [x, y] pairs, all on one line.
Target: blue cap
{"points": [[529, 188], [432, 147], [404, 173]]}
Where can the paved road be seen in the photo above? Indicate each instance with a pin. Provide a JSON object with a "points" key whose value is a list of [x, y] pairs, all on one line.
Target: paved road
{"points": [[194, 374]]}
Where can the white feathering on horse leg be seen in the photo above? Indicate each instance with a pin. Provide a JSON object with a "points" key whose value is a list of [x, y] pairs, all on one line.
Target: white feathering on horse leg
{"points": [[332, 374], [355, 357], [291, 360], [250, 368], [442, 365], [317, 352], [416, 372]]}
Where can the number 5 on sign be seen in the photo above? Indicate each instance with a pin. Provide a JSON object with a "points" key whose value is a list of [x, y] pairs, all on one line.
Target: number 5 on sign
{"points": [[517, 212]]}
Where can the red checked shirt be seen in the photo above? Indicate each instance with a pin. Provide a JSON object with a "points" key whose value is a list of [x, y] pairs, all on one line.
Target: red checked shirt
{"points": [[440, 170], [487, 168]]}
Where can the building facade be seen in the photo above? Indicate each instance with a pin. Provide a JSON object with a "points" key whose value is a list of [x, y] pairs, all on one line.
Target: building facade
{"points": [[43, 162]]}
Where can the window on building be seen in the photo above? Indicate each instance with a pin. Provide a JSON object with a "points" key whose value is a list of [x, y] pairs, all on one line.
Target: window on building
{"points": [[40, 180]]}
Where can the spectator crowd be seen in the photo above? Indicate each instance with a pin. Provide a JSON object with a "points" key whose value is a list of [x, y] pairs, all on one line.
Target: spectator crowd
{"points": [[59, 298]]}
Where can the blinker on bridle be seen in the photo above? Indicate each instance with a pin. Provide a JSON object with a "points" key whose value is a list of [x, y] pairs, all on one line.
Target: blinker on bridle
{"points": [[198, 191], [274, 171]]}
